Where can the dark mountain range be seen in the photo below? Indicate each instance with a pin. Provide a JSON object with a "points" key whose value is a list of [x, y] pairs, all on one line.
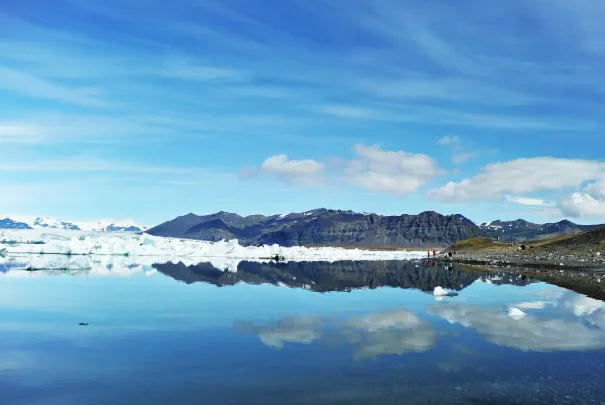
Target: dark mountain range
{"points": [[348, 228], [325, 227], [8, 223], [338, 276], [521, 230]]}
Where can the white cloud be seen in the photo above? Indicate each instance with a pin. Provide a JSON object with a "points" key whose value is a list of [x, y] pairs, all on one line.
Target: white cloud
{"points": [[529, 201], [344, 111], [596, 189], [582, 205], [519, 177], [449, 140], [303, 172], [394, 172]]}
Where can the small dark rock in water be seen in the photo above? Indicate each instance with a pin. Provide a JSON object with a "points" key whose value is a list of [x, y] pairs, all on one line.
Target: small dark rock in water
{"points": [[82, 324]]}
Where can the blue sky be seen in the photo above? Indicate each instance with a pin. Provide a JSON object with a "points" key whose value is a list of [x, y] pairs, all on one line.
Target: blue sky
{"points": [[152, 109]]}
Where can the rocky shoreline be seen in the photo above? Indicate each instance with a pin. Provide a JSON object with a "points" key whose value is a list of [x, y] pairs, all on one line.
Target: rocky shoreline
{"points": [[582, 271]]}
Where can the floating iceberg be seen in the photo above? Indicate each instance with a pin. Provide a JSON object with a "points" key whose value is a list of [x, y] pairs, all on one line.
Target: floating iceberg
{"points": [[440, 292], [516, 313], [223, 254]]}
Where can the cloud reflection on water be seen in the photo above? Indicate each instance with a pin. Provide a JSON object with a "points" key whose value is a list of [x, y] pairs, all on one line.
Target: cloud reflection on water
{"points": [[530, 333], [394, 331]]}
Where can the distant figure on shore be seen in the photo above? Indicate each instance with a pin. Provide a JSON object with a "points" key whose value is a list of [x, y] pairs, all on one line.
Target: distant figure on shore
{"points": [[434, 253], [428, 254]]}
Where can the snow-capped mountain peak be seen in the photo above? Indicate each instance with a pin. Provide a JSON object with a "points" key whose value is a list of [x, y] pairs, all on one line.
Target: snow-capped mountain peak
{"points": [[8, 223], [108, 225], [117, 226], [47, 222]]}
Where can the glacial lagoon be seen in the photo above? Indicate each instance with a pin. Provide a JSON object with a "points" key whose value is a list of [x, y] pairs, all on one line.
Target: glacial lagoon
{"points": [[293, 333]]}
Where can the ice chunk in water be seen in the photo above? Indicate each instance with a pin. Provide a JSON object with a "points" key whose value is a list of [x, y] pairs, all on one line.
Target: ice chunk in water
{"points": [[516, 313], [440, 292]]}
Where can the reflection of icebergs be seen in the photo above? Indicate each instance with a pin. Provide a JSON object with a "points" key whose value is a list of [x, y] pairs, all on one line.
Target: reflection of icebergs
{"points": [[304, 329], [98, 265], [527, 333], [139, 245], [44, 265]]}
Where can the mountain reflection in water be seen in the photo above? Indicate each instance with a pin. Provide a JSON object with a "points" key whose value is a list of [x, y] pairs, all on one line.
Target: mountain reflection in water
{"points": [[339, 276]]}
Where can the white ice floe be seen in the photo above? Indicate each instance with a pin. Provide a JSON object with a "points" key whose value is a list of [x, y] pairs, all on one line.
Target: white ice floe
{"points": [[440, 292], [223, 254], [516, 313]]}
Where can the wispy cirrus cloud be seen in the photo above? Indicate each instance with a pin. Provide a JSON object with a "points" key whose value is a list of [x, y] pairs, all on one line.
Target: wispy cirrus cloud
{"points": [[461, 150], [83, 164], [449, 140], [347, 111], [16, 81]]}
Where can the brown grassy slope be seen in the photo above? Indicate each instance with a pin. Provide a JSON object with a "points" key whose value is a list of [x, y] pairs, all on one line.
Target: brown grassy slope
{"points": [[478, 245], [591, 240], [585, 241]]}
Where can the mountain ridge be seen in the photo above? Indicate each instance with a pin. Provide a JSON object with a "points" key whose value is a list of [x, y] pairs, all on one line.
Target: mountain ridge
{"points": [[326, 227], [54, 223], [522, 230]]}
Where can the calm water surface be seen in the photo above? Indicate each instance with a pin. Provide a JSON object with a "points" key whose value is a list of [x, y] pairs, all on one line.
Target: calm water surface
{"points": [[299, 333]]}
